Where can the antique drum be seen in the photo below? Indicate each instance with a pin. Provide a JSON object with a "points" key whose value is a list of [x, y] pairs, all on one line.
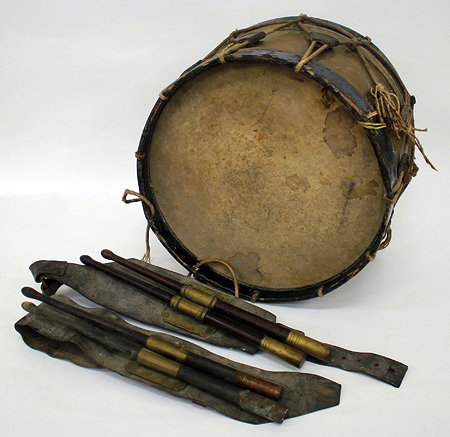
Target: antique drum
{"points": [[282, 153]]}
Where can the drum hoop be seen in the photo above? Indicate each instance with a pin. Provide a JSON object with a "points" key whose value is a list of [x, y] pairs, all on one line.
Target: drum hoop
{"points": [[342, 30], [349, 96]]}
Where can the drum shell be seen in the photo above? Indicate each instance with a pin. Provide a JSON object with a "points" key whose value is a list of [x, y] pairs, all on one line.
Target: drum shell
{"points": [[349, 85]]}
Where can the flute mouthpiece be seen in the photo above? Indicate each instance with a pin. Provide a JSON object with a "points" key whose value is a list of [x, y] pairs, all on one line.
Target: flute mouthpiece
{"points": [[86, 259], [107, 254], [31, 293]]}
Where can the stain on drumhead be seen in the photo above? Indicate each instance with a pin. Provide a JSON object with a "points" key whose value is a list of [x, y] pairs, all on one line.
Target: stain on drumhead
{"points": [[249, 165], [338, 132]]}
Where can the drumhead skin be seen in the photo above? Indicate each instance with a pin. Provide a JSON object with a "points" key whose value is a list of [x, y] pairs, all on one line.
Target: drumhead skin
{"points": [[271, 170]]}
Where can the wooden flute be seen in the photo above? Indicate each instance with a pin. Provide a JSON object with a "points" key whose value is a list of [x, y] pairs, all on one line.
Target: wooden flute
{"points": [[204, 314], [377, 366], [211, 376]]}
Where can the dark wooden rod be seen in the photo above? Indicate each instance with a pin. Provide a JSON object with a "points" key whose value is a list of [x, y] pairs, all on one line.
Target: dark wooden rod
{"points": [[169, 349], [157, 277], [275, 330], [210, 317], [204, 314], [369, 364], [123, 331], [245, 399]]}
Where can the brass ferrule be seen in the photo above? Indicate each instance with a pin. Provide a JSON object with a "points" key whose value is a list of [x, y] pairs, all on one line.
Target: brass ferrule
{"points": [[187, 307], [166, 348], [284, 351], [151, 375], [198, 296], [308, 345], [157, 362]]}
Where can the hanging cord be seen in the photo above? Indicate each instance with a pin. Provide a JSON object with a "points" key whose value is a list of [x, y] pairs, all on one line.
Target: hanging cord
{"points": [[228, 266], [140, 198], [388, 104], [389, 113]]}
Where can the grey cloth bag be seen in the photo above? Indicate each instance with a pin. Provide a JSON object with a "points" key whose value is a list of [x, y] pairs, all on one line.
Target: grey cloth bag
{"points": [[67, 337], [124, 299]]}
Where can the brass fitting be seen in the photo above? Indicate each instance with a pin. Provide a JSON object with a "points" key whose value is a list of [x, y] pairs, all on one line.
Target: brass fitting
{"points": [[187, 307], [308, 345], [284, 351], [165, 348], [198, 296], [157, 362]]}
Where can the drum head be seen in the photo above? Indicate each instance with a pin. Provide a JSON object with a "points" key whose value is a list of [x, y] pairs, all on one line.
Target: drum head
{"points": [[265, 169]]}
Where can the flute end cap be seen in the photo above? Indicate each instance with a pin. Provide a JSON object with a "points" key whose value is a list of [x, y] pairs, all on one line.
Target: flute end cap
{"points": [[107, 254], [85, 259], [30, 292], [28, 306]]}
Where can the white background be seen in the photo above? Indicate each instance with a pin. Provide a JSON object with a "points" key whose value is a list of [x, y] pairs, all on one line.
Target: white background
{"points": [[77, 82]]}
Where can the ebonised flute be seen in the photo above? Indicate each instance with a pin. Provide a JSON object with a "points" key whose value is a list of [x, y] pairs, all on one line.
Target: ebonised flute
{"points": [[188, 366], [377, 366], [204, 314]]}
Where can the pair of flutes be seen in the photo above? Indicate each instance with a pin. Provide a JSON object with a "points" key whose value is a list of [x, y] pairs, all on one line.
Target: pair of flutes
{"points": [[198, 304], [289, 344], [252, 394]]}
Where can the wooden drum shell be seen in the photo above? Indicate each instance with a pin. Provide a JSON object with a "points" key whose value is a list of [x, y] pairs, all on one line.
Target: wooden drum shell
{"points": [[275, 171]]}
